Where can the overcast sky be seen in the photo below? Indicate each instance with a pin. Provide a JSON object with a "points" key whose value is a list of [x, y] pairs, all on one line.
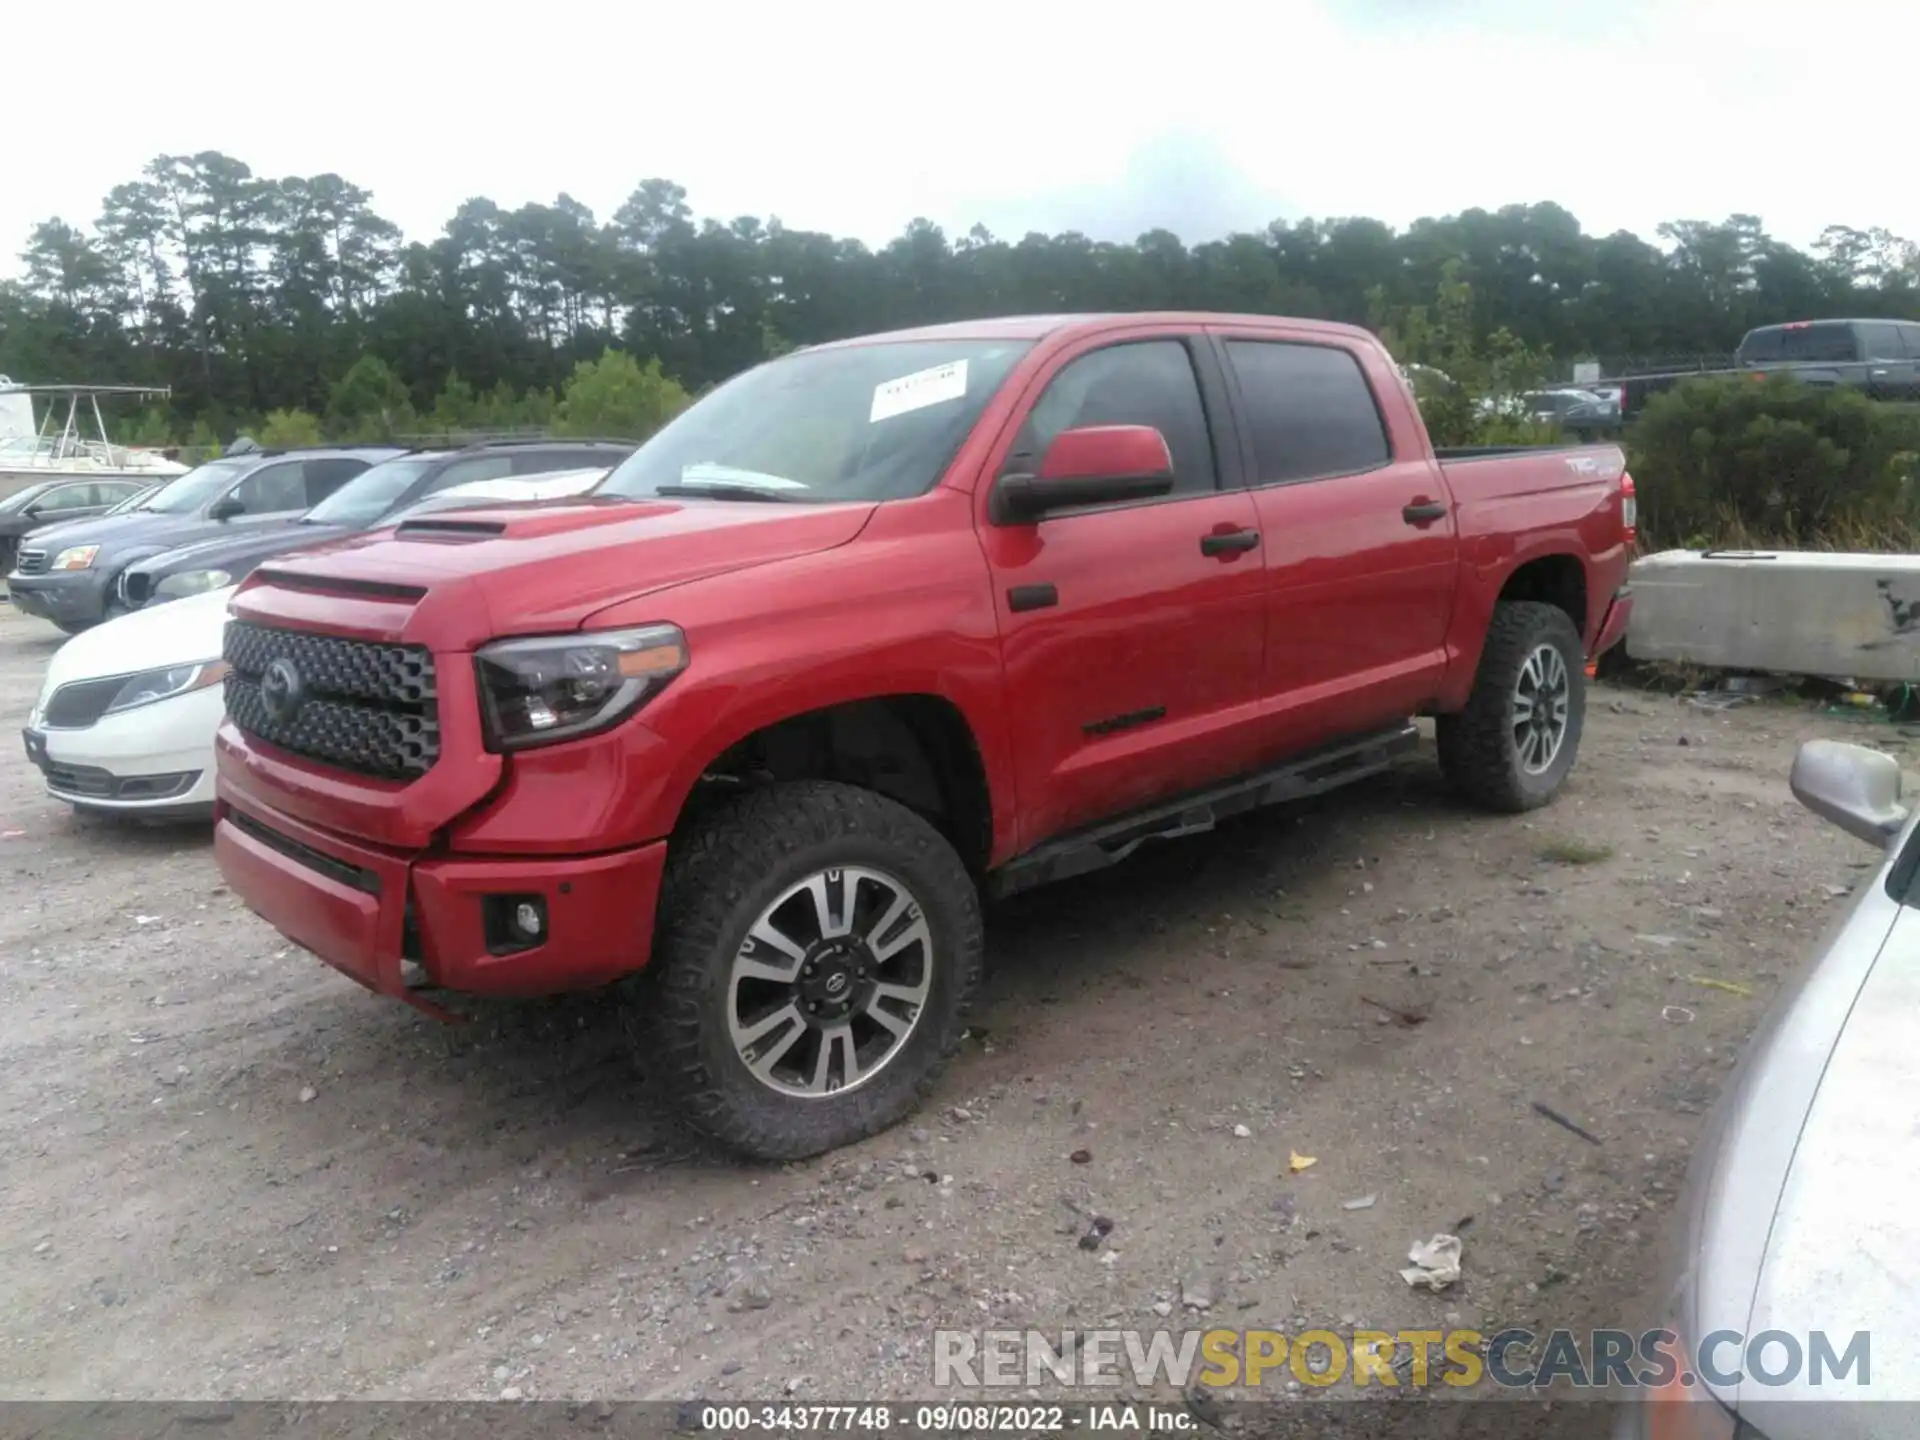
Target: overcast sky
{"points": [[851, 117]]}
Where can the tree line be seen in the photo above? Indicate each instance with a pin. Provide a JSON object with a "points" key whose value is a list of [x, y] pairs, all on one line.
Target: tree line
{"points": [[249, 295]]}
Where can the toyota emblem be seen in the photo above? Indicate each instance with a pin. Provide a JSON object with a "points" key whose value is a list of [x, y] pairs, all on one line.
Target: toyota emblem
{"points": [[837, 983], [281, 690]]}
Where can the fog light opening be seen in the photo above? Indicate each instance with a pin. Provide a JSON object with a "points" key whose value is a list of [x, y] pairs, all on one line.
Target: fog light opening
{"points": [[514, 922]]}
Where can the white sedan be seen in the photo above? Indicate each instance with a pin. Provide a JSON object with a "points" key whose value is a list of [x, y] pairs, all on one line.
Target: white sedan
{"points": [[125, 720]]}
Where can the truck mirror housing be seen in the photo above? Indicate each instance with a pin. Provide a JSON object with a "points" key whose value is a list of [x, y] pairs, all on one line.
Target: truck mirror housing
{"points": [[1092, 465]]}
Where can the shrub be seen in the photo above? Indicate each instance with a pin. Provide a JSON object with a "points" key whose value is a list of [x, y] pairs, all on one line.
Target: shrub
{"points": [[615, 395], [285, 429], [369, 403], [1773, 462]]}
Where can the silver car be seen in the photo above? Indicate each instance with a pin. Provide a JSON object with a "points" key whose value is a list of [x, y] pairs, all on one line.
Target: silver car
{"points": [[1800, 1271]]}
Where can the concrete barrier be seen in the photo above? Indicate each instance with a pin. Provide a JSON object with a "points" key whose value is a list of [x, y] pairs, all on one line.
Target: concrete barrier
{"points": [[1793, 612]]}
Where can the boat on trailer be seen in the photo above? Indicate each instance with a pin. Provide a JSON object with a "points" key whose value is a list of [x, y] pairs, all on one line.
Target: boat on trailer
{"points": [[68, 438]]}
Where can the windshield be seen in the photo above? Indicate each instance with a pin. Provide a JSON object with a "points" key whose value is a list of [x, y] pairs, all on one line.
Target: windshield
{"points": [[370, 494], [193, 489], [870, 422]]}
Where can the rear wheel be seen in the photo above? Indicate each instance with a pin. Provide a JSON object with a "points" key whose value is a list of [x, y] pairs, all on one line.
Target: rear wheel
{"points": [[1515, 742], [816, 954]]}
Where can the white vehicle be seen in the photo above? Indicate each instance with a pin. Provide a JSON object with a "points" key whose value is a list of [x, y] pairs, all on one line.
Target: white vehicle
{"points": [[125, 720]]}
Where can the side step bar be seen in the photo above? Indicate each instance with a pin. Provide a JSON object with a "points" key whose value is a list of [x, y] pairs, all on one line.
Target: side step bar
{"points": [[1113, 841]]}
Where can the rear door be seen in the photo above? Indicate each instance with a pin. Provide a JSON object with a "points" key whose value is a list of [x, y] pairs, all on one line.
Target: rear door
{"points": [[1889, 369], [1131, 634], [1359, 533]]}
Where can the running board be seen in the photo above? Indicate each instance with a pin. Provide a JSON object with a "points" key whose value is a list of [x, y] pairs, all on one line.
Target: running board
{"points": [[1111, 842]]}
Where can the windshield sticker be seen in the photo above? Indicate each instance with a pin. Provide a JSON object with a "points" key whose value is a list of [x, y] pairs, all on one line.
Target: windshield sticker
{"points": [[918, 390]]}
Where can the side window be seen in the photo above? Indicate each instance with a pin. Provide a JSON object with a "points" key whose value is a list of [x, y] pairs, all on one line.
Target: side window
{"points": [[65, 497], [326, 476], [462, 472], [273, 489], [1911, 335], [1882, 342], [1309, 410], [1143, 382]]}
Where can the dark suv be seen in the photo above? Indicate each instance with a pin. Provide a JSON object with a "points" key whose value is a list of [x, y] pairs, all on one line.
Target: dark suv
{"points": [[1881, 357], [68, 573], [54, 502], [366, 502]]}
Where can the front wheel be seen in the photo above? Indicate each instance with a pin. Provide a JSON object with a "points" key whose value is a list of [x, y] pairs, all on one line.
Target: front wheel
{"points": [[1515, 742], [817, 951]]}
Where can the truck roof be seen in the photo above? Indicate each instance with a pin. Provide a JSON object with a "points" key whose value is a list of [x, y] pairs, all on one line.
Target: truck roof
{"points": [[1037, 327]]}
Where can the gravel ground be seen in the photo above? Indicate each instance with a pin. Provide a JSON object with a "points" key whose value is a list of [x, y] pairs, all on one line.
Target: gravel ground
{"points": [[228, 1172]]}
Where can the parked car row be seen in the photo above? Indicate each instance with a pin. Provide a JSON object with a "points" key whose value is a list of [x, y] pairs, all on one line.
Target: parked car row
{"points": [[211, 526], [127, 711]]}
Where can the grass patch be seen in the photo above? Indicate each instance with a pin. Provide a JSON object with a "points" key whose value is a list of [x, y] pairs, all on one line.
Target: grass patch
{"points": [[1565, 851]]}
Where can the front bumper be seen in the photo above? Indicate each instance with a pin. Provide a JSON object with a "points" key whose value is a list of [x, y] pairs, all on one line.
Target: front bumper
{"points": [[155, 761], [68, 597], [368, 911]]}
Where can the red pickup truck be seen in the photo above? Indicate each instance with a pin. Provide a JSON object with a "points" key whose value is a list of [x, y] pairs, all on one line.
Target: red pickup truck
{"points": [[870, 630]]}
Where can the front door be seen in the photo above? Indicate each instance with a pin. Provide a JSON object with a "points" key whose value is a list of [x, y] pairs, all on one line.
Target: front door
{"points": [[1132, 635]]}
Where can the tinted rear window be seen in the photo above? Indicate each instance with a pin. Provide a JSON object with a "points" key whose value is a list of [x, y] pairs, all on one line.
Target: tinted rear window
{"points": [[1825, 341], [1309, 409]]}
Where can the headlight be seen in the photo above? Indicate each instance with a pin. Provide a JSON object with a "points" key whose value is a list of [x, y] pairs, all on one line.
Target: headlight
{"points": [[77, 557], [152, 685], [191, 582], [555, 687]]}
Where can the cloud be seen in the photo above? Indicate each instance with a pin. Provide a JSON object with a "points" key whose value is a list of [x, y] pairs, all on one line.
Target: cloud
{"points": [[1180, 181]]}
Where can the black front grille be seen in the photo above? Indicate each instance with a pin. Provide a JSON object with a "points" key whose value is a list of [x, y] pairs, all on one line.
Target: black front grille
{"points": [[89, 782], [363, 706], [76, 706], [32, 562]]}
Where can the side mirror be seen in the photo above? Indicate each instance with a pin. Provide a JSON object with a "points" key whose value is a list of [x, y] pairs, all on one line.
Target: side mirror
{"points": [[1856, 788], [226, 507], [1093, 465]]}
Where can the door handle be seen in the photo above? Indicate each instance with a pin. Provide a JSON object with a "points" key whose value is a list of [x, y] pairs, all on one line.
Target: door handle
{"points": [[1423, 512], [1232, 542]]}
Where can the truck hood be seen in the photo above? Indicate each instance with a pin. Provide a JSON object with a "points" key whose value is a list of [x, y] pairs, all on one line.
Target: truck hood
{"points": [[533, 569], [237, 551], [167, 635]]}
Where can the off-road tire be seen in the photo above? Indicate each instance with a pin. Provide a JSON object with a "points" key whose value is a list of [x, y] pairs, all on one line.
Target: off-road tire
{"points": [[1478, 752], [721, 875]]}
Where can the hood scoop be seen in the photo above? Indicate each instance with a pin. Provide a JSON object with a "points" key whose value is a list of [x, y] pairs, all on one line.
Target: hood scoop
{"points": [[453, 531], [339, 585]]}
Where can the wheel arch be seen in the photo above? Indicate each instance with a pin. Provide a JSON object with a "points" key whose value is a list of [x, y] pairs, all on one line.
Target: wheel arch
{"points": [[915, 747]]}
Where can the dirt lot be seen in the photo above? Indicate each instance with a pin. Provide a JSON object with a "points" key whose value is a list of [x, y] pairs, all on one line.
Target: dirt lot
{"points": [[229, 1172]]}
